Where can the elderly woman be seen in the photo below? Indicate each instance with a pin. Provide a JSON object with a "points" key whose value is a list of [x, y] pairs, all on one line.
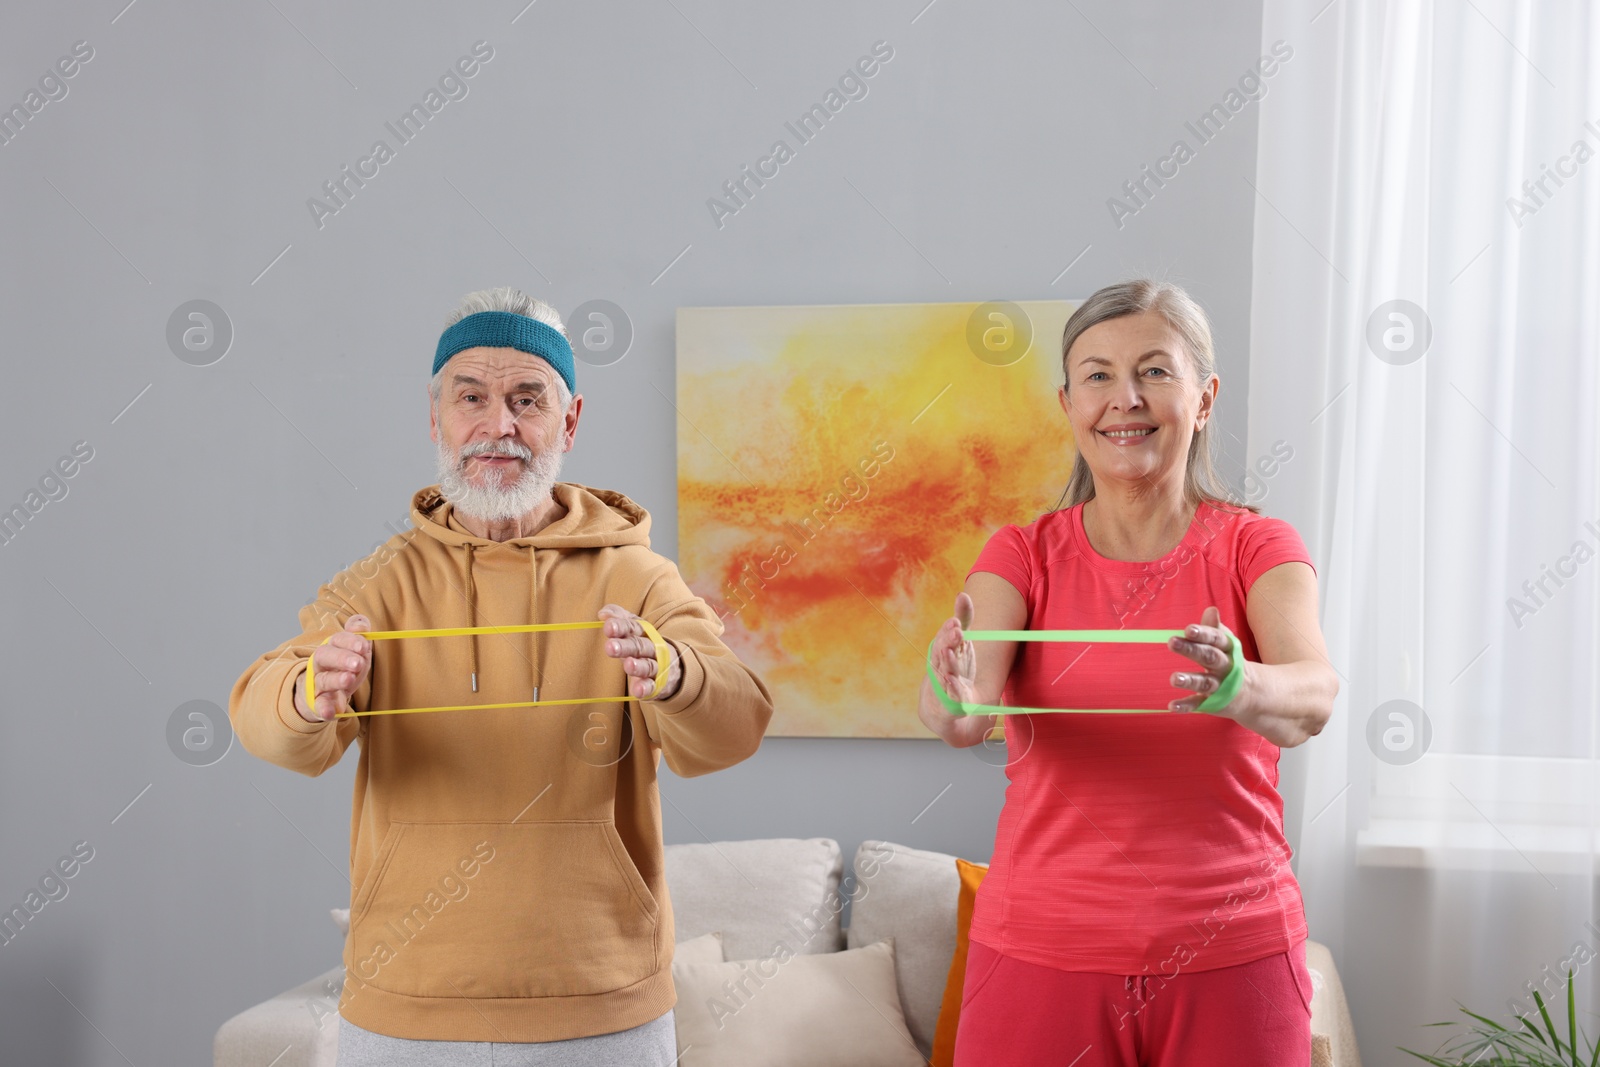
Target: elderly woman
{"points": [[1139, 909]]}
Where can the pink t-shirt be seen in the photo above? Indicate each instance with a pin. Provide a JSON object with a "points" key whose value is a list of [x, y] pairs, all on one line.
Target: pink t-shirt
{"points": [[1134, 844]]}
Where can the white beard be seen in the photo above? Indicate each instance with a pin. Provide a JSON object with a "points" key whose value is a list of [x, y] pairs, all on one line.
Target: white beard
{"points": [[491, 501]]}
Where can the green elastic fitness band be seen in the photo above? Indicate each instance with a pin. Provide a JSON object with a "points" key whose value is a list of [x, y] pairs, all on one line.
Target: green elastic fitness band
{"points": [[1215, 702]]}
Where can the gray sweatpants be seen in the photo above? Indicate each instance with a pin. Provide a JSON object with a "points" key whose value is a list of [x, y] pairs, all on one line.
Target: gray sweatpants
{"points": [[653, 1044]]}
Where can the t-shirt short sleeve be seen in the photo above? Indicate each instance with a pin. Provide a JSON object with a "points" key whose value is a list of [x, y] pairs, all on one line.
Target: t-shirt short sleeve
{"points": [[1009, 555], [1267, 542]]}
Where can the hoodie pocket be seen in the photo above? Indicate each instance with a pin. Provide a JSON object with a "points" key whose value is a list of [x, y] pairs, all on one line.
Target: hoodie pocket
{"points": [[536, 909], [363, 894]]}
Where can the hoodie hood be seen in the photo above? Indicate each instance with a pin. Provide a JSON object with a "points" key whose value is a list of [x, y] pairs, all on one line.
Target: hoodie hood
{"points": [[595, 518]]}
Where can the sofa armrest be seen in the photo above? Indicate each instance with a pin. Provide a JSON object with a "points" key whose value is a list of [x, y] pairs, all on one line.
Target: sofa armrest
{"points": [[297, 1028], [1333, 1035]]}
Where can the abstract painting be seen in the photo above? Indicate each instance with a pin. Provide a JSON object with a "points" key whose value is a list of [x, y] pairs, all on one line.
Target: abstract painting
{"points": [[839, 469]]}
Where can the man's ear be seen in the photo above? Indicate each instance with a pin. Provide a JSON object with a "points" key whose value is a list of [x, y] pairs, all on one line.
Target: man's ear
{"points": [[433, 419], [570, 430]]}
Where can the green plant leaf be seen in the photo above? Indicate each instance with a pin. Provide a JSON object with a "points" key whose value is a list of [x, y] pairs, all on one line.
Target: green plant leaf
{"points": [[1544, 1013], [1572, 1022], [1485, 1020]]}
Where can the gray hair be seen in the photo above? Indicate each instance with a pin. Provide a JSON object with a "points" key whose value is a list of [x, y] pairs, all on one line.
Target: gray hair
{"points": [[506, 298], [1183, 314]]}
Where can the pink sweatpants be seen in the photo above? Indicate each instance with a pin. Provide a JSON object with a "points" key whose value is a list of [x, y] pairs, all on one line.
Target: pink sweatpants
{"points": [[1252, 1015]]}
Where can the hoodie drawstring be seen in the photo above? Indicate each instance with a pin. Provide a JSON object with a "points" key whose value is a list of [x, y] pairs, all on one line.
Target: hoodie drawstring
{"points": [[533, 613], [472, 615]]}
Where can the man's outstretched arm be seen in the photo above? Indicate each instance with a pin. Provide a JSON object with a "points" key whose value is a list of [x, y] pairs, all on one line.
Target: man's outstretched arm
{"points": [[720, 709], [262, 704]]}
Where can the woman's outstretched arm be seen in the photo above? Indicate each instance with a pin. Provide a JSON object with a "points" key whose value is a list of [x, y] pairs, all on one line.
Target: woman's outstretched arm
{"points": [[1289, 695]]}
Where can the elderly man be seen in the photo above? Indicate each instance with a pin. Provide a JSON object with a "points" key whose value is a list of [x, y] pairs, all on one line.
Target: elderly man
{"points": [[508, 897]]}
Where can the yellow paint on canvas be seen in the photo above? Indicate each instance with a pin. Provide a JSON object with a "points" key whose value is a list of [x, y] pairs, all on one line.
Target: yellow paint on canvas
{"points": [[839, 469]]}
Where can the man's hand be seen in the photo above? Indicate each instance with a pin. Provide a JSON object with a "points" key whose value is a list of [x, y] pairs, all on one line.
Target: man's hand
{"points": [[625, 640], [341, 665]]}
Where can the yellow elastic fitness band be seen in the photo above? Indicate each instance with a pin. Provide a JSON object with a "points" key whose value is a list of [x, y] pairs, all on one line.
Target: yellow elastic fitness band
{"points": [[663, 665]]}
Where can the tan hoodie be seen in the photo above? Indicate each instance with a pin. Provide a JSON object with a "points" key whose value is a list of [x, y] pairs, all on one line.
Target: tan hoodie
{"points": [[506, 865]]}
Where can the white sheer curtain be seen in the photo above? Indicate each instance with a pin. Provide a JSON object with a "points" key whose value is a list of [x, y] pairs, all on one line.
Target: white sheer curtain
{"points": [[1445, 474]]}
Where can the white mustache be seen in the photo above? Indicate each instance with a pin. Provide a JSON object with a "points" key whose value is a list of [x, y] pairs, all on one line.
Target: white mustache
{"points": [[513, 452]]}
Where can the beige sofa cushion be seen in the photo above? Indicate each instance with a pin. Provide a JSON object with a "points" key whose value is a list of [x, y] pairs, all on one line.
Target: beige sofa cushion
{"points": [[707, 948], [911, 896], [833, 1010], [1333, 1034], [758, 894]]}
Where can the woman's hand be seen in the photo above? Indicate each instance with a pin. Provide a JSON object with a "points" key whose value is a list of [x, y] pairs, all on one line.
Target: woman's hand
{"points": [[1212, 651], [955, 664], [1287, 697]]}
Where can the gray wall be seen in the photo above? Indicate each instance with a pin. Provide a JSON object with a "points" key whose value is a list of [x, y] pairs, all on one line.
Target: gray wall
{"points": [[178, 166]]}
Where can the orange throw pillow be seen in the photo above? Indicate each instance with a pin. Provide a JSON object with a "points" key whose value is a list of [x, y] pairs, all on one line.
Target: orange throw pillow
{"points": [[944, 1034]]}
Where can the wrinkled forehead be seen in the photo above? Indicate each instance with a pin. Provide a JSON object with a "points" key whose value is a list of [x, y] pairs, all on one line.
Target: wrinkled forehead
{"points": [[507, 369]]}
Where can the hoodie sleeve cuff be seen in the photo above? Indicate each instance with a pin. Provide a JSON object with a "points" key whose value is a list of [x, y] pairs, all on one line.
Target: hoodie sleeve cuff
{"points": [[287, 713], [689, 687]]}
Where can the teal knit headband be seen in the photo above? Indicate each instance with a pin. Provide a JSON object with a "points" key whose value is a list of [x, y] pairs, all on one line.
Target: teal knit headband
{"points": [[502, 329]]}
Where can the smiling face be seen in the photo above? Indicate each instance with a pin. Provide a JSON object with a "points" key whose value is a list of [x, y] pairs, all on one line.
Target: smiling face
{"points": [[1134, 401], [500, 431]]}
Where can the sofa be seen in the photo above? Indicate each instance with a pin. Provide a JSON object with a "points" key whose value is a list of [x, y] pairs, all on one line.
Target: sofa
{"points": [[766, 969]]}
